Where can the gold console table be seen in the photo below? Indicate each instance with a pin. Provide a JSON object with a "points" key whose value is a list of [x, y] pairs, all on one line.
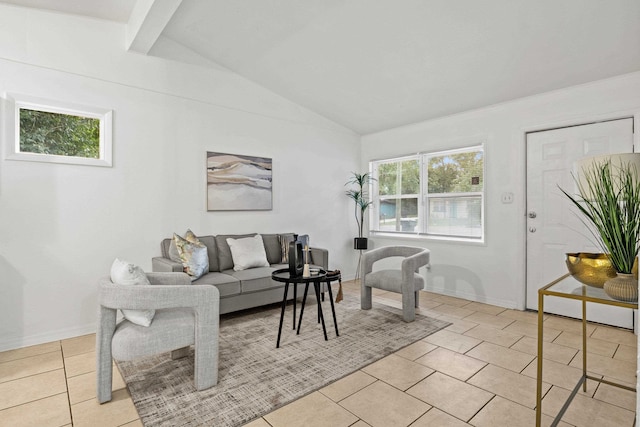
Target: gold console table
{"points": [[564, 287]]}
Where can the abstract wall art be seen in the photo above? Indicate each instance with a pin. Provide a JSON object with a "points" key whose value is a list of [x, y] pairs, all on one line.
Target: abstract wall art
{"points": [[237, 183]]}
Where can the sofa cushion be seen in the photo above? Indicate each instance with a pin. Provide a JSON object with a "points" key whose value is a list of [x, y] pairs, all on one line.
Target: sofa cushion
{"points": [[226, 284], [125, 273], [255, 279], [225, 260]]}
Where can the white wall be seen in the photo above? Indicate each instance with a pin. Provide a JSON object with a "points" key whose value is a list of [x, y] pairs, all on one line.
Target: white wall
{"points": [[495, 272], [61, 226]]}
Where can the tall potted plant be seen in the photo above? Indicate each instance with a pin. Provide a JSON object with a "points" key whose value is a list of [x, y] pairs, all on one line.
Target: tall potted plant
{"points": [[360, 196], [609, 198]]}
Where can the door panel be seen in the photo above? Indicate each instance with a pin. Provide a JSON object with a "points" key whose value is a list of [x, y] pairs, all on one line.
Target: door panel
{"points": [[553, 226]]}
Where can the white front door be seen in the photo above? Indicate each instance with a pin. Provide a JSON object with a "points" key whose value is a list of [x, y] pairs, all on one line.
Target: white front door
{"points": [[553, 225]]}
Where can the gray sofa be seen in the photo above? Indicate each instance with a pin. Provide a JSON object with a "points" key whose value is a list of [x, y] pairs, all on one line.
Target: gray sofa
{"points": [[240, 289]]}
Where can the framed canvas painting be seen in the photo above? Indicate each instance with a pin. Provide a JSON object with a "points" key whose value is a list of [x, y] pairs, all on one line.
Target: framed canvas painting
{"points": [[238, 183]]}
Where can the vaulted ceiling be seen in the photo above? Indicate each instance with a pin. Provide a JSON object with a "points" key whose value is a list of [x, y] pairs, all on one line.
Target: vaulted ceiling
{"points": [[372, 65]]}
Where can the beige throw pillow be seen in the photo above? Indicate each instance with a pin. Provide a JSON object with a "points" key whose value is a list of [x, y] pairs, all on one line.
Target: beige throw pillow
{"points": [[248, 252], [125, 273]]}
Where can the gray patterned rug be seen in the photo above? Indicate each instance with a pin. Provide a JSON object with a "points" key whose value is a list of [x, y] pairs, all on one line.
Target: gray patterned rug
{"points": [[254, 377]]}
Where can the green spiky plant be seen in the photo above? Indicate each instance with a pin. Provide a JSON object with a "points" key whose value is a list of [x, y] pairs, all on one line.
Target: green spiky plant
{"points": [[609, 198], [360, 196]]}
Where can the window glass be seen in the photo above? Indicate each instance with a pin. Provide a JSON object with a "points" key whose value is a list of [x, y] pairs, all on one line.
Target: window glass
{"points": [[448, 203], [59, 134]]}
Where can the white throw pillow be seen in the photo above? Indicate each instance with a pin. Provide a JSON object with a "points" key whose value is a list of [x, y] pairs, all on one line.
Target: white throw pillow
{"points": [[125, 273], [248, 252]]}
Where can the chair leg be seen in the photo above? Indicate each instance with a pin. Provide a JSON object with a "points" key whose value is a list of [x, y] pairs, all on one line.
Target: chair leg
{"points": [[365, 297], [206, 357], [408, 306], [417, 299], [180, 353]]}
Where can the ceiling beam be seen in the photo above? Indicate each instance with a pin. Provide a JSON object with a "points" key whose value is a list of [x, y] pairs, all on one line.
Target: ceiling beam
{"points": [[148, 19]]}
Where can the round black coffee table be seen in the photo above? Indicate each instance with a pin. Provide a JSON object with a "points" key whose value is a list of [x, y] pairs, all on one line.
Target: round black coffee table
{"points": [[285, 277]]}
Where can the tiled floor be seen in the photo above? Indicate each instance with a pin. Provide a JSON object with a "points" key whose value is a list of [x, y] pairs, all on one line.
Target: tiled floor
{"points": [[479, 371]]}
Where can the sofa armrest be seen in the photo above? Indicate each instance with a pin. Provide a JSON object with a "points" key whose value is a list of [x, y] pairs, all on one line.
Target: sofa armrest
{"points": [[319, 257], [165, 265]]}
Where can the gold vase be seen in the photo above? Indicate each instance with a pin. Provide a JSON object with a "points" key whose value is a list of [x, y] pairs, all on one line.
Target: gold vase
{"points": [[623, 287]]}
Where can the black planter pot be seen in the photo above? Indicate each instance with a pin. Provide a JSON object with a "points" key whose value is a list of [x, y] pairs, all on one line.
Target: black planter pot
{"points": [[360, 243]]}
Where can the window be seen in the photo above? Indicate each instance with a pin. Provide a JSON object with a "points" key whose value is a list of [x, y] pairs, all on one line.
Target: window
{"points": [[438, 194], [51, 131]]}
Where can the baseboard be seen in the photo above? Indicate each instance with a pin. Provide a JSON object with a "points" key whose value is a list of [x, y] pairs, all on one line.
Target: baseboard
{"points": [[475, 297], [57, 335]]}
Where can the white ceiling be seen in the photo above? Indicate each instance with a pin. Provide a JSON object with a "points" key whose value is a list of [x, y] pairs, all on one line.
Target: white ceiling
{"points": [[374, 65]]}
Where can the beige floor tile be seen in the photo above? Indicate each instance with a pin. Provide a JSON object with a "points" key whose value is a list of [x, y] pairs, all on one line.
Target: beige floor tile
{"points": [[34, 350], [501, 356], [452, 341], [618, 369], [83, 387], [437, 418], [450, 395], [585, 411], [313, 410], [120, 410], [32, 365], [617, 396], [451, 363], [615, 335], [594, 345], [490, 320], [531, 330], [347, 386], [557, 374], [381, 405], [415, 350], [625, 353], [523, 316], [260, 422], [485, 308], [78, 345], [508, 384], [557, 353], [502, 412], [80, 364], [458, 326], [33, 387], [138, 423], [397, 371], [51, 411], [446, 299], [453, 311], [493, 335], [567, 324]]}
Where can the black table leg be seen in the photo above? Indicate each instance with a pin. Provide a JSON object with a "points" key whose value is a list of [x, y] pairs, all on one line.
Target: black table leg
{"points": [[295, 297], [304, 299], [316, 285], [333, 309], [284, 304]]}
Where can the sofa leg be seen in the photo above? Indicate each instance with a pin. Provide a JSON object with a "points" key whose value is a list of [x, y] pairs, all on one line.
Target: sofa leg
{"points": [[180, 353]]}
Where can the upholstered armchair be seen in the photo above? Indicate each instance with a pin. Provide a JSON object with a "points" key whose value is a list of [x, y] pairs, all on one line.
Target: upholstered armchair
{"points": [[405, 280], [185, 314]]}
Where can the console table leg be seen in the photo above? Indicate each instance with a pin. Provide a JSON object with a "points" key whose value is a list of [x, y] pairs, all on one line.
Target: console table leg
{"points": [[540, 355], [584, 344]]}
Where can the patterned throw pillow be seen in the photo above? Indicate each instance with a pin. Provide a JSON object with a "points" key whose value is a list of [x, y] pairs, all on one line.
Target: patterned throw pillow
{"points": [[173, 249], [125, 273], [192, 254]]}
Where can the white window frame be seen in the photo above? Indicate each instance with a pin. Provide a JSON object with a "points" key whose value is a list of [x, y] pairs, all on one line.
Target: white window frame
{"points": [[15, 102], [423, 197]]}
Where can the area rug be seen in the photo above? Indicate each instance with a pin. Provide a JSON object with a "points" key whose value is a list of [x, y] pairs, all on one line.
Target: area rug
{"points": [[254, 377]]}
